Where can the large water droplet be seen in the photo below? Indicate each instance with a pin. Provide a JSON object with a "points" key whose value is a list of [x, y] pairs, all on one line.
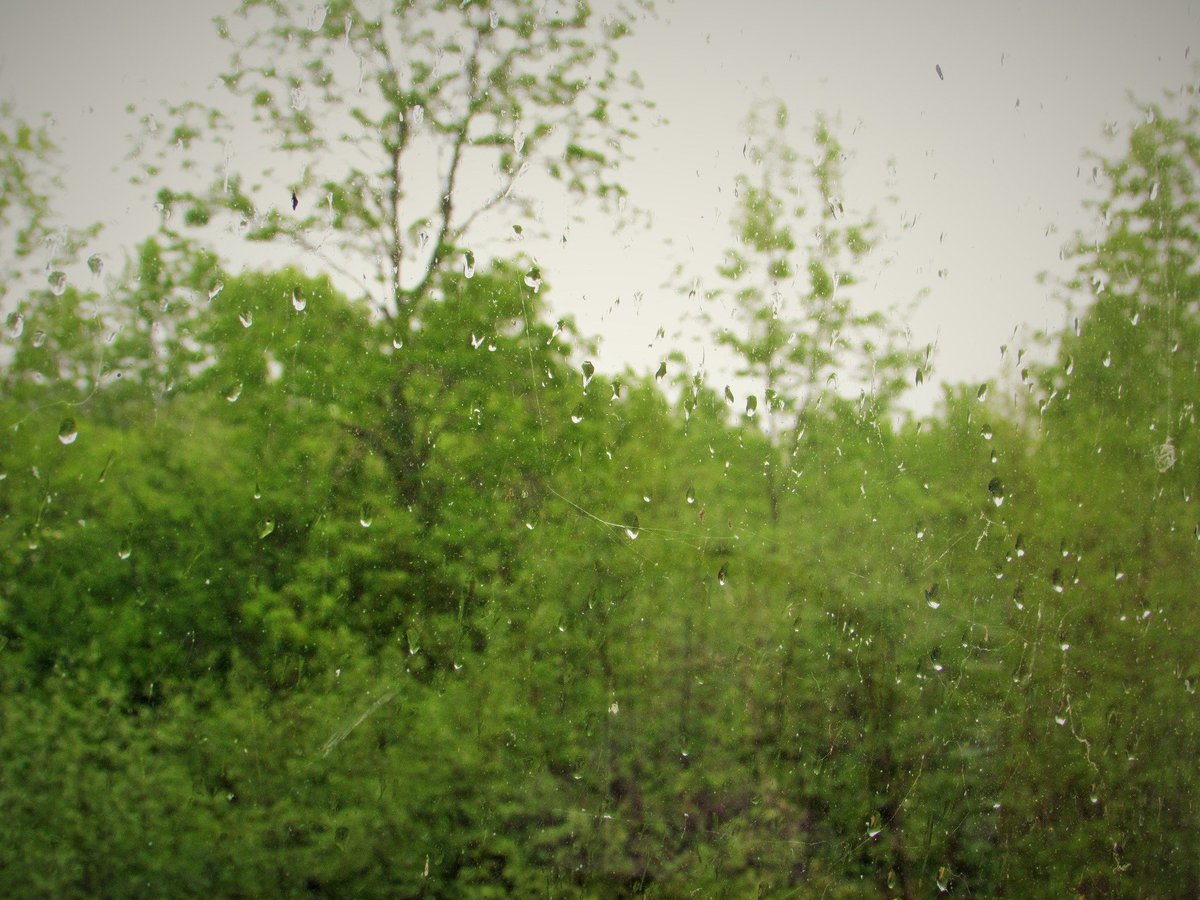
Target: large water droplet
{"points": [[691, 495], [234, 393], [723, 575], [216, 289], [266, 528], [16, 324], [588, 371], [996, 489], [577, 415], [633, 528], [662, 371], [67, 432], [95, 264], [298, 301], [469, 264], [246, 318], [751, 405], [58, 282], [365, 516]]}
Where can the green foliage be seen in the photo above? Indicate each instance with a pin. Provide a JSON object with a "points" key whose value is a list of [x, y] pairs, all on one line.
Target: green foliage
{"points": [[296, 602]]}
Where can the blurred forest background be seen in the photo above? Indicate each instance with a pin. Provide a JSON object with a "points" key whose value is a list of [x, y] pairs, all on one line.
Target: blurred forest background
{"points": [[391, 590]]}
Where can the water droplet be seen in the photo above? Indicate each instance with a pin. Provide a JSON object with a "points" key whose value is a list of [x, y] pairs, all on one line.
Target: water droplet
{"points": [[246, 318], [417, 115], [1107, 359], [633, 528], [533, 278], [16, 324], [835, 207], [299, 99], [234, 393], [518, 139], [58, 282], [588, 371], [691, 495], [982, 393], [397, 344], [316, 18], [723, 575], [751, 405], [1070, 365], [95, 264], [124, 551], [662, 371], [614, 707], [298, 301], [577, 415], [996, 489], [215, 289], [919, 377], [266, 528], [1154, 191], [1064, 646], [39, 338], [476, 342], [469, 264], [493, 19], [364, 516], [1164, 456], [728, 394], [986, 432], [67, 432]]}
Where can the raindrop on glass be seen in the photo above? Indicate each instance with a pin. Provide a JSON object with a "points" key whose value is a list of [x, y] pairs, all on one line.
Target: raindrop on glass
{"points": [[67, 432], [298, 301], [16, 324], [996, 489], [95, 264], [588, 371], [234, 393], [58, 282], [633, 528]]}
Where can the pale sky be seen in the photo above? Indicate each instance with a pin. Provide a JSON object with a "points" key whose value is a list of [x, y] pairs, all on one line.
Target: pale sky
{"points": [[987, 161]]}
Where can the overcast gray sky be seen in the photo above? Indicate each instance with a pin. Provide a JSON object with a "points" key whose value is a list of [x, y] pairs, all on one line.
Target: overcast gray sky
{"points": [[985, 160]]}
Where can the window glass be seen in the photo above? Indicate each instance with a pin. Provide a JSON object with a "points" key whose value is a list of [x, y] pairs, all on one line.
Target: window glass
{"points": [[519, 448]]}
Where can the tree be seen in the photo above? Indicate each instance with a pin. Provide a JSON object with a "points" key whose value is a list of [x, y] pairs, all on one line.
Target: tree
{"points": [[27, 220], [400, 129], [798, 334]]}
